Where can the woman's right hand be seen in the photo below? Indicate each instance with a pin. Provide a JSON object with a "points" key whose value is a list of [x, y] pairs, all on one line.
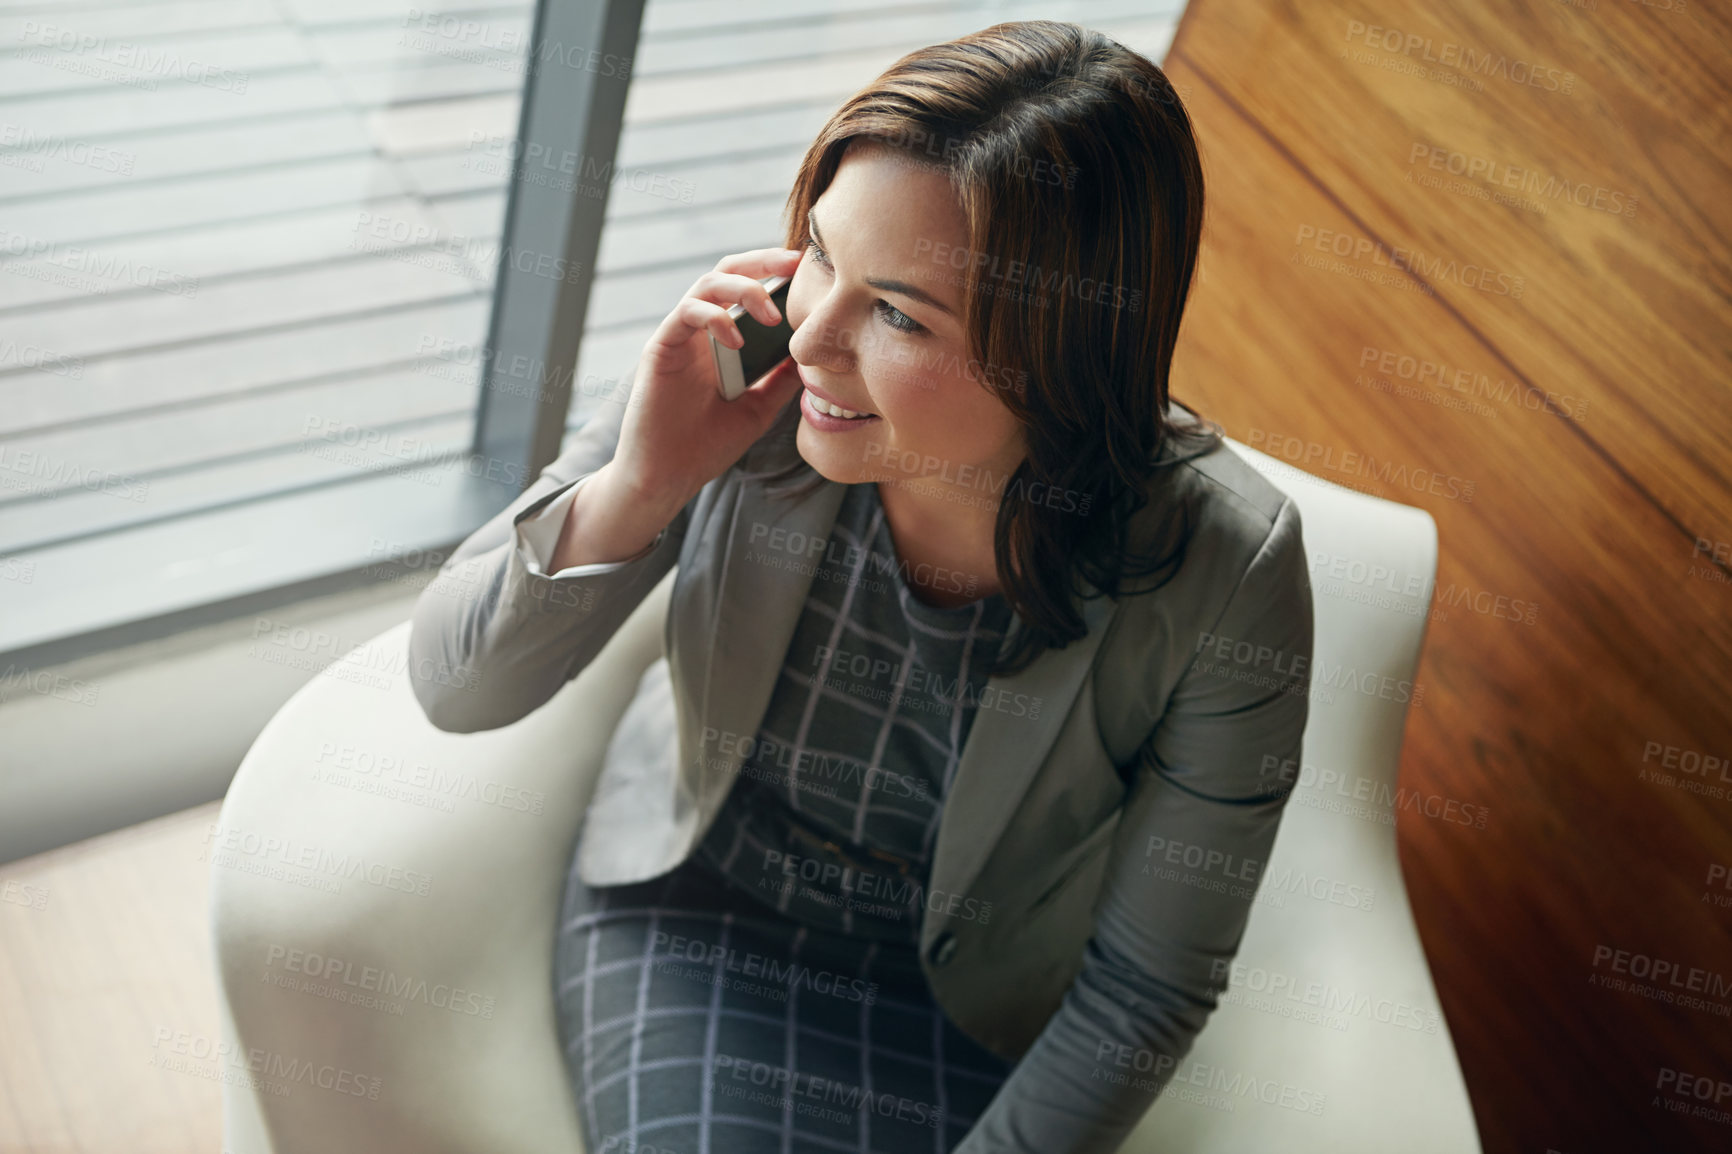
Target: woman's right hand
{"points": [[678, 433]]}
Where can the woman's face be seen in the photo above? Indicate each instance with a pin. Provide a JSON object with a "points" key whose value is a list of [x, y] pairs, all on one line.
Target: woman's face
{"points": [[876, 307]]}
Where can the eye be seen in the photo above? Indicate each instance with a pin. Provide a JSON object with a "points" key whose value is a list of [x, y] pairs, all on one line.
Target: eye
{"points": [[893, 317], [906, 324]]}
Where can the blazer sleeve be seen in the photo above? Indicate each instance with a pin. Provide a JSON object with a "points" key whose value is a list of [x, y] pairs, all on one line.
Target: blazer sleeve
{"points": [[1197, 826], [493, 637]]}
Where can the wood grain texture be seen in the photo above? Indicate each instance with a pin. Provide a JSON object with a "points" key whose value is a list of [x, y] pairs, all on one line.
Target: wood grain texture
{"points": [[1574, 451]]}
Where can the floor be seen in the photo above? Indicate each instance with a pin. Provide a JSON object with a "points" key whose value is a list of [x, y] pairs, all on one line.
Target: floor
{"points": [[105, 979]]}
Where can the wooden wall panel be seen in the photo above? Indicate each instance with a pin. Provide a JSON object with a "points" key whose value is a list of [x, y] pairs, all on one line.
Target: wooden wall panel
{"points": [[1590, 507]]}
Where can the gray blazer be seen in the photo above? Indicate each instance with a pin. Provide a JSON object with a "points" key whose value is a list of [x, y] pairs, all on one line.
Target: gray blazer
{"points": [[1134, 778]]}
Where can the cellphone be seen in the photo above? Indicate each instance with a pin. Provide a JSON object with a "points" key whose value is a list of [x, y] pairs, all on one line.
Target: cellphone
{"points": [[765, 345]]}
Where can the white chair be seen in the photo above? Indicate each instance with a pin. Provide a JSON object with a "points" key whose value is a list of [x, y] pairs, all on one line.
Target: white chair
{"points": [[363, 1015], [1329, 1038]]}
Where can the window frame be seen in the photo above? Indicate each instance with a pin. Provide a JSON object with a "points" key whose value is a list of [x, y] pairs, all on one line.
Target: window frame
{"points": [[93, 593]]}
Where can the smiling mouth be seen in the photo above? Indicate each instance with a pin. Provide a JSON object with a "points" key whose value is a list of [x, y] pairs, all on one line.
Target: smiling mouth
{"points": [[829, 410]]}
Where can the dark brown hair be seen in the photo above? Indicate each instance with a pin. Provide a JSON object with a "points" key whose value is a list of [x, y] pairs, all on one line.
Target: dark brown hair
{"points": [[1074, 163]]}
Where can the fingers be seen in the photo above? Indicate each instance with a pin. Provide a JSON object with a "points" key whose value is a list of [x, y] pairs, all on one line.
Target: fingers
{"points": [[733, 281], [761, 262], [693, 314], [737, 278], [729, 288]]}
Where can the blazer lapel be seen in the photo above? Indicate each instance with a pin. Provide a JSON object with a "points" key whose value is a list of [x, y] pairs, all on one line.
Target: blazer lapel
{"points": [[763, 591], [1004, 752]]}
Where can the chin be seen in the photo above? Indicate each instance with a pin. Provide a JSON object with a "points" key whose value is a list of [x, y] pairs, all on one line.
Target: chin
{"points": [[843, 467]]}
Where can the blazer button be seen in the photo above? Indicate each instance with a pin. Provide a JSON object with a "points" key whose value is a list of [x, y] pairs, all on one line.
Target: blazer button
{"points": [[943, 949]]}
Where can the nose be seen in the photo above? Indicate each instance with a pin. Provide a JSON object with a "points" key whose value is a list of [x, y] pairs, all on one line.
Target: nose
{"points": [[820, 343]]}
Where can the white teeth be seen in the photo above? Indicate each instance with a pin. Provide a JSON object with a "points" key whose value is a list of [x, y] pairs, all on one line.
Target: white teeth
{"points": [[824, 406]]}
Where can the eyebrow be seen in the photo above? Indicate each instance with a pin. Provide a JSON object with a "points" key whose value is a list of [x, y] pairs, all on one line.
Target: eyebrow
{"points": [[895, 286]]}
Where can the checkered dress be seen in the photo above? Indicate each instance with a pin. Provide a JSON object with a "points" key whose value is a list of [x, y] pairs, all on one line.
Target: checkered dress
{"points": [[767, 993]]}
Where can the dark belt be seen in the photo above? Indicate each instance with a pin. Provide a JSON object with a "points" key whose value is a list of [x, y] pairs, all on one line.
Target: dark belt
{"points": [[865, 859]]}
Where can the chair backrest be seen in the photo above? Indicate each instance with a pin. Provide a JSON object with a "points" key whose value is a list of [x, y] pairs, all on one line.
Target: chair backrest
{"points": [[1329, 1036]]}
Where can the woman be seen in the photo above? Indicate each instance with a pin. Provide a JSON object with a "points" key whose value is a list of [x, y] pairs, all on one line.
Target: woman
{"points": [[963, 506]]}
